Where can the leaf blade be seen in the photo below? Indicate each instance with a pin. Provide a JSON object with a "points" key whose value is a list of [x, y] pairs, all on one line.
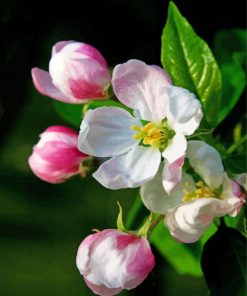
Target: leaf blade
{"points": [[230, 51], [190, 62], [176, 252], [223, 262]]}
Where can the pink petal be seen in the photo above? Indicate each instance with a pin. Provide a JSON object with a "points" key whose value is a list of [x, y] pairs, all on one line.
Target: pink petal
{"points": [[47, 172], [62, 129], [141, 87], [92, 53], [124, 240], [82, 89], [233, 195], [162, 72], [55, 157], [43, 83], [140, 268], [60, 155]]}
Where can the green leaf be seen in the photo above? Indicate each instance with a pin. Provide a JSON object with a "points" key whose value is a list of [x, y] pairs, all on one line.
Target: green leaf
{"points": [[230, 52], [236, 164], [185, 258], [120, 225], [143, 231], [229, 42], [224, 261], [71, 113], [190, 62]]}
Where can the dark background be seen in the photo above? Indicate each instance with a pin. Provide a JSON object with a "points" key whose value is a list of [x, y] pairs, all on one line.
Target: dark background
{"points": [[41, 225]]}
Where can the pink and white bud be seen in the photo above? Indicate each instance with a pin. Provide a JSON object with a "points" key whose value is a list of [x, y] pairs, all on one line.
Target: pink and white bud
{"points": [[111, 261], [239, 194], [55, 158], [77, 73]]}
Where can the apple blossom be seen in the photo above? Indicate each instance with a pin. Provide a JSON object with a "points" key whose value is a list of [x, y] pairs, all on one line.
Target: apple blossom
{"points": [[164, 115], [192, 206], [56, 157], [111, 261], [77, 73]]}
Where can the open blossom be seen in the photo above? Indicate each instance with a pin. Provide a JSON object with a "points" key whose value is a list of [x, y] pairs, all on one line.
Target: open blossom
{"points": [[55, 158], [164, 115], [192, 206], [111, 261], [77, 73]]}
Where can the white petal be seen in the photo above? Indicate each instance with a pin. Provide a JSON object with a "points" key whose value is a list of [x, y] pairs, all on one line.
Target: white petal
{"points": [[172, 174], [130, 170], [106, 131], [109, 263], [157, 200], [82, 257], [176, 148], [59, 46], [188, 221], [100, 289], [141, 87], [206, 161], [185, 112]]}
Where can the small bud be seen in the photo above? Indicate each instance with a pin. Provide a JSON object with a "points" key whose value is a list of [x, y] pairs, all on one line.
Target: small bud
{"points": [[111, 261], [55, 158], [77, 73]]}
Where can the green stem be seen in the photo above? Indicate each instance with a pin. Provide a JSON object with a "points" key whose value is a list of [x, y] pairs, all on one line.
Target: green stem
{"points": [[156, 222], [234, 146], [200, 133]]}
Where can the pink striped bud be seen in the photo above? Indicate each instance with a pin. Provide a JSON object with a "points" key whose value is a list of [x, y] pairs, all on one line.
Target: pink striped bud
{"points": [[111, 261], [56, 157], [77, 73]]}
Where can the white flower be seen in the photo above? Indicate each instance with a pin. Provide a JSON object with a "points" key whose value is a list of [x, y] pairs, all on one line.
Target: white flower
{"points": [[192, 206], [165, 114]]}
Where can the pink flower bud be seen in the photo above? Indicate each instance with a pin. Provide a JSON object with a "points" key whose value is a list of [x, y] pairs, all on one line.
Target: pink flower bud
{"points": [[237, 192], [77, 73], [56, 157], [111, 261]]}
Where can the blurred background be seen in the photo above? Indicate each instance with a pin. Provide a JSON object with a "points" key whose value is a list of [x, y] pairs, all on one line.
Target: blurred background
{"points": [[41, 225]]}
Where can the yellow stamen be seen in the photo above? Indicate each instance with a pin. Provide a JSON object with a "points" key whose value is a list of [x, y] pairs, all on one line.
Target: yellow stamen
{"points": [[201, 190], [152, 134]]}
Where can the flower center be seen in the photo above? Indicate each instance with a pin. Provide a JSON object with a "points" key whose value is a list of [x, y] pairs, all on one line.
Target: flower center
{"points": [[156, 135], [201, 190]]}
